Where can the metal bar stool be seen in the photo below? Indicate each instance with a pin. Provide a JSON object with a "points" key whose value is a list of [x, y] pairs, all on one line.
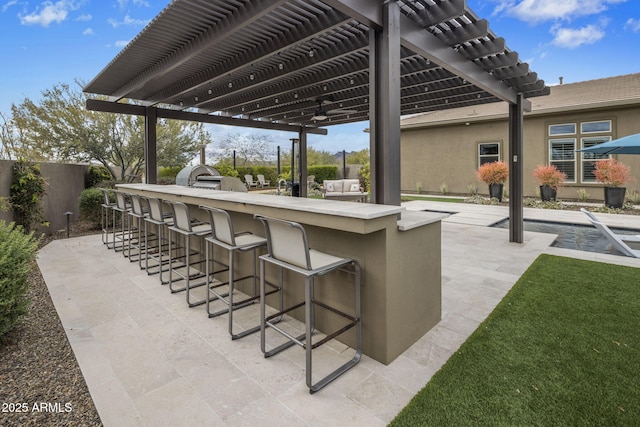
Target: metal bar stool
{"points": [[187, 227], [223, 236], [107, 207], [124, 207], [139, 212], [161, 220], [289, 249]]}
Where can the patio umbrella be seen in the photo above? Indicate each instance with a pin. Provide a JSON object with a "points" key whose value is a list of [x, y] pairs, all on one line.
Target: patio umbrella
{"points": [[625, 145]]}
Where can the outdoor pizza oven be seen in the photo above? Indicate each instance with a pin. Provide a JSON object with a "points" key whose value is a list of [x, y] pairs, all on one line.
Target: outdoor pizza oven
{"points": [[199, 176]]}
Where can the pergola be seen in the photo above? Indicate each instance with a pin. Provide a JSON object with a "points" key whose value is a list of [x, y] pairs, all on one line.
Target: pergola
{"points": [[304, 65]]}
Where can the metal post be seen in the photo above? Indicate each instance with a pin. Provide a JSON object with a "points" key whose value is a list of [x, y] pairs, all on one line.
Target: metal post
{"points": [[278, 170], [344, 164], [234, 159], [150, 146], [516, 210], [384, 84], [68, 214]]}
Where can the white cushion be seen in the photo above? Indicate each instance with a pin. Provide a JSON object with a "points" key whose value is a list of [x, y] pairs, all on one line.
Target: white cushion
{"points": [[330, 186], [355, 188]]}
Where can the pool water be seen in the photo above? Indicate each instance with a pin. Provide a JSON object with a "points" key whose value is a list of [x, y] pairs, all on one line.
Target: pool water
{"points": [[573, 236]]}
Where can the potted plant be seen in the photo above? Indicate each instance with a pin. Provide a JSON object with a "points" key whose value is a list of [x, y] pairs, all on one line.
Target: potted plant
{"points": [[613, 175], [550, 178], [494, 174]]}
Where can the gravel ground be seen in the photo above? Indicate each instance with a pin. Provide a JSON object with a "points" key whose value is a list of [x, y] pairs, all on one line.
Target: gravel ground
{"points": [[40, 381]]}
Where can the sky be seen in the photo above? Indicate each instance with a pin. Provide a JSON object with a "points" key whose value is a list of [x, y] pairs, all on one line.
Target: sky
{"points": [[44, 43]]}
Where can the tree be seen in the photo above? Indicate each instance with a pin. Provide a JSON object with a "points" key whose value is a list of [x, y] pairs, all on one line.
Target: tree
{"points": [[250, 149], [314, 157], [60, 128], [358, 157]]}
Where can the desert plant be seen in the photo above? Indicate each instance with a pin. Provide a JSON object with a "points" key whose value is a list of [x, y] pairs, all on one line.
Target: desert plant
{"points": [[633, 197], [612, 173], [493, 173], [583, 196], [472, 189], [90, 202], [26, 192], [444, 188], [17, 252], [419, 187], [549, 175], [95, 175]]}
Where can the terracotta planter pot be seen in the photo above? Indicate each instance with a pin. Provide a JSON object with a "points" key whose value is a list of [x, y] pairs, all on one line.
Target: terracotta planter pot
{"points": [[614, 197], [547, 193], [495, 191]]}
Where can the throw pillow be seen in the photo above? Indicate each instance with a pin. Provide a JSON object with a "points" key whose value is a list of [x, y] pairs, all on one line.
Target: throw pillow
{"points": [[355, 187]]}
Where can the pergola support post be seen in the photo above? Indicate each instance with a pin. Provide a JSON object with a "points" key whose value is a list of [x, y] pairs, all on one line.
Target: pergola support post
{"points": [[150, 145], [384, 101], [516, 212], [303, 164]]}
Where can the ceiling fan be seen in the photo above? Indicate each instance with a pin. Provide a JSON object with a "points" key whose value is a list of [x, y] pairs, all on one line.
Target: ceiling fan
{"points": [[322, 113]]}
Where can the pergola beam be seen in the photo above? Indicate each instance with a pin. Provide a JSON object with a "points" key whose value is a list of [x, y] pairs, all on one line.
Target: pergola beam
{"points": [[139, 110], [426, 44]]}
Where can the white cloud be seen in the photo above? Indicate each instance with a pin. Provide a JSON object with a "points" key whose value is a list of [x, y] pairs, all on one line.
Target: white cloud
{"points": [[575, 37], [88, 32], [8, 4], [128, 21], [124, 3], [535, 11], [633, 25], [48, 12], [122, 43], [84, 18]]}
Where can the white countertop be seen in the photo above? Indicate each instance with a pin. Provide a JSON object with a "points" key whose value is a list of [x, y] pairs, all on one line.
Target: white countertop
{"points": [[321, 206]]}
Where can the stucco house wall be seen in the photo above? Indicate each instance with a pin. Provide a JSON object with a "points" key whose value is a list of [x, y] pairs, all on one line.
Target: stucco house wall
{"points": [[442, 146]]}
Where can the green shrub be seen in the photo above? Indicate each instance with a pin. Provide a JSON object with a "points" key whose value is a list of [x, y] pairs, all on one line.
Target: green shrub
{"points": [[323, 172], [90, 202], [26, 192], [364, 174], [169, 172], [226, 169], [17, 252], [95, 175]]}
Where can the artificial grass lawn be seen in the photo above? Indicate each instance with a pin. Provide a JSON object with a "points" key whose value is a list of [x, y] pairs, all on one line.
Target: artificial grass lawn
{"points": [[562, 348]]}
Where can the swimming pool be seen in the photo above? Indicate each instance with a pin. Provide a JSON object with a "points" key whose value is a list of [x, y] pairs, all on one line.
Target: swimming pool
{"points": [[573, 236]]}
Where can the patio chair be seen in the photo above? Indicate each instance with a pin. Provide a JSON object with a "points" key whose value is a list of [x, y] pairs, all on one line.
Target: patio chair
{"points": [[623, 237], [186, 226], [288, 249], [615, 239], [249, 182], [310, 180], [263, 182], [223, 236]]}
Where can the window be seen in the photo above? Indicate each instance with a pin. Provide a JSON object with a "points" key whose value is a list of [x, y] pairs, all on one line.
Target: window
{"points": [[595, 127], [563, 140], [589, 159], [562, 156], [563, 129], [488, 152]]}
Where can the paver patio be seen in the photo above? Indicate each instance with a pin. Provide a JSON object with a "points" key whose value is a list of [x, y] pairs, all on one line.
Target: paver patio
{"points": [[150, 360]]}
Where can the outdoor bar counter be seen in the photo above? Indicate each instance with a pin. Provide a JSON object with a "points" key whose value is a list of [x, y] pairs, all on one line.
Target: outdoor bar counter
{"points": [[399, 253]]}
